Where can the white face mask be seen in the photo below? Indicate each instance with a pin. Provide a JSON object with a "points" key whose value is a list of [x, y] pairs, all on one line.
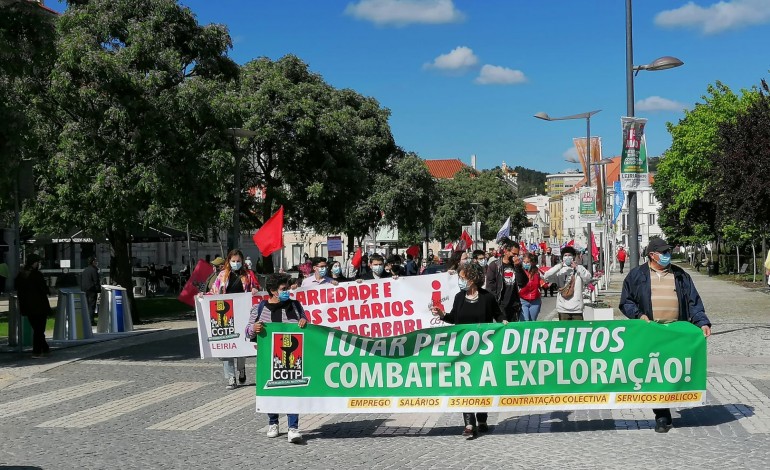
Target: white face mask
{"points": [[235, 265]]}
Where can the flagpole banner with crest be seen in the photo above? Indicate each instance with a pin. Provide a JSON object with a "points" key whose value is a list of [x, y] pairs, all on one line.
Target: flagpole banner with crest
{"points": [[379, 308], [634, 172], [526, 366]]}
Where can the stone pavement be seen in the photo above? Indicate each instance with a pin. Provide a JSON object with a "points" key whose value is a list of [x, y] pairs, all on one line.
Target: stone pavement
{"points": [[147, 401]]}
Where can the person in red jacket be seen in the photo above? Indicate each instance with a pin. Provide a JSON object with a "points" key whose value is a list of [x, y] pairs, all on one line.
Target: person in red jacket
{"points": [[622, 256], [528, 280]]}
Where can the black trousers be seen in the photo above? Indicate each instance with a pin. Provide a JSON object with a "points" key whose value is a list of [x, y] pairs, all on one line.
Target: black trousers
{"points": [[662, 413], [621, 265], [39, 345], [91, 300], [471, 418]]}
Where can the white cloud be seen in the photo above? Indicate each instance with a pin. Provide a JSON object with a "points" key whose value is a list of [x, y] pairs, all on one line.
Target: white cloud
{"points": [[404, 12], [496, 75], [460, 58], [718, 17], [657, 103], [571, 154]]}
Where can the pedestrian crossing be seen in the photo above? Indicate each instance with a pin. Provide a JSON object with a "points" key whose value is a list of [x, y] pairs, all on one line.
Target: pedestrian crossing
{"points": [[72, 407]]}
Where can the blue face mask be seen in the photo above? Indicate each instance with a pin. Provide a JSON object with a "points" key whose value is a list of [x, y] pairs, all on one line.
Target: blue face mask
{"points": [[283, 296], [526, 266], [664, 259], [235, 265], [336, 270], [322, 272], [462, 283], [378, 269]]}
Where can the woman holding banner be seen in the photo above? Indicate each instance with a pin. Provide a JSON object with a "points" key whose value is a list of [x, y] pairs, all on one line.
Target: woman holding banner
{"points": [[529, 281], [472, 304], [235, 278]]}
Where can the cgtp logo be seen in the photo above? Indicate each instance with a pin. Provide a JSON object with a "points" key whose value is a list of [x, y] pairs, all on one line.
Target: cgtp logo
{"points": [[286, 368], [222, 320]]}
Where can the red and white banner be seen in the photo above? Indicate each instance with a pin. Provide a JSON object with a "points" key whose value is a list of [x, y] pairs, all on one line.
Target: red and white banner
{"points": [[381, 308]]}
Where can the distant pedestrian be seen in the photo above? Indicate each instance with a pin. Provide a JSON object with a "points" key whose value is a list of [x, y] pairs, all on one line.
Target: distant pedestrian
{"points": [[660, 291], [32, 292], [233, 279], [546, 261], [472, 305], [528, 280], [91, 284], [622, 256], [279, 308]]}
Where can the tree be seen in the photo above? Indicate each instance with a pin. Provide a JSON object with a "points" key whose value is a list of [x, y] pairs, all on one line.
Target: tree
{"points": [[138, 126], [485, 187], [530, 181], [683, 183], [316, 147]]}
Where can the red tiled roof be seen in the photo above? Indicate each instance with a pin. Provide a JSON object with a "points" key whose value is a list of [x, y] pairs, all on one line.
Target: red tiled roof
{"points": [[444, 169], [531, 208]]}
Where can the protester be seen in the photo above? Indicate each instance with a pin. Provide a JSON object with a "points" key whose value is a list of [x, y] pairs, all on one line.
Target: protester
{"points": [[336, 273], [434, 265], [280, 309], [528, 280], [663, 292], [501, 279], [217, 265], [235, 278], [248, 263], [570, 278], [457, 259], [320, 274], [91, 284], [32, 292], [547, 261], [376, 268], [622, 256], [410, 268], [480, 258], [306, 268], [472, 305], [393, 265]]}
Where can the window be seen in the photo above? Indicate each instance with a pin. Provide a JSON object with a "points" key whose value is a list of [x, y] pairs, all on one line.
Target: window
{"points": [[650, 219], [625, 222], [652, 199]]}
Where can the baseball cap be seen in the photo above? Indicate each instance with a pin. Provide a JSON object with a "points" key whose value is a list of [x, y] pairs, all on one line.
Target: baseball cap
{"points": [[658, 245], [218, 261]]}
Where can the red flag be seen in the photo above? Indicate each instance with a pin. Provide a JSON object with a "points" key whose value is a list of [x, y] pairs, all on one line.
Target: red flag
{"points": [[523, 246], [413, 250], [269, 238], [196, 283], [571, 242], [356, 261], [465, 241], [449, 246]]}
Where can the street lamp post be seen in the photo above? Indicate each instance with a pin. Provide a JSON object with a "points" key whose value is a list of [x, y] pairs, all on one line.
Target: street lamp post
{"points": [[605, 231], [662, 63], [476, 231], [245, 134], [587, 117]]}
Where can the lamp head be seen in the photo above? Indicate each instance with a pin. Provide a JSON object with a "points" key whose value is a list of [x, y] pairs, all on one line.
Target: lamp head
{"points": [[543, 115]]}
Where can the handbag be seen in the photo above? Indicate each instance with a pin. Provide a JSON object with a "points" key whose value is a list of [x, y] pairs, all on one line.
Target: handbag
{"points": [[569, 288]]}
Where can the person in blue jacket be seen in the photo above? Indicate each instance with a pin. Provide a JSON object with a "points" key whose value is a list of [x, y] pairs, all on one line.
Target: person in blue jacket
{"points": [[661, 291]]}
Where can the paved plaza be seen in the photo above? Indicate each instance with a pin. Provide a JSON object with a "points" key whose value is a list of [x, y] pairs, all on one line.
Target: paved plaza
{"points": [[148, 401]]}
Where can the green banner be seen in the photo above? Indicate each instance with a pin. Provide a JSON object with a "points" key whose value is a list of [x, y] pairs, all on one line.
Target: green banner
{"points": [[484, 367]]}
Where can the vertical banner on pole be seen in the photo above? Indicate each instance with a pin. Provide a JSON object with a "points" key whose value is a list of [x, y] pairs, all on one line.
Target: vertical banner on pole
{"points": [[587, 207], [633, 160]]}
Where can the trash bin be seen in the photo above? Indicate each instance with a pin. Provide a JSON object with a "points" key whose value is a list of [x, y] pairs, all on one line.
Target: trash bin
{"points": [[114, 311], [72, 319], [713, 268], [19, 327]]}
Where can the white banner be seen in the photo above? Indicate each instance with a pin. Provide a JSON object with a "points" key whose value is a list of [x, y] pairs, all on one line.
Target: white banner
{"points": [[381, 308]]}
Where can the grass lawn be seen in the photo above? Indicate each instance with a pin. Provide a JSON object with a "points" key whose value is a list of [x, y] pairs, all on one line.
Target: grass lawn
{"points": [[150, 310]]}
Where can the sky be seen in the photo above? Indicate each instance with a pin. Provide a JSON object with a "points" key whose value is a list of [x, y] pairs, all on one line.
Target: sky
{"points": [[464, 77]]}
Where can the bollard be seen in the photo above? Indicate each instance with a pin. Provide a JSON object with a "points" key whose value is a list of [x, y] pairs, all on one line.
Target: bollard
{"points": [[114, 311], [19, 328], [72, 319]]}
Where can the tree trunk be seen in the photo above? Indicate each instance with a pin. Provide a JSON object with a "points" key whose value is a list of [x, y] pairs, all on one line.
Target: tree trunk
{"points": [[120, 268]]}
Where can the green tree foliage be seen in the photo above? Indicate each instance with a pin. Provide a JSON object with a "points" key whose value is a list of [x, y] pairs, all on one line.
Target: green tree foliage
{"points": [[531, 182], [683, 183], [741, 165], [498, 202], [26, 56], [136, 132]]}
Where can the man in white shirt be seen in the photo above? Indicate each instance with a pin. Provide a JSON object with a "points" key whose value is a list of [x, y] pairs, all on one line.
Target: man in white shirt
{"points": [[319, 276]]}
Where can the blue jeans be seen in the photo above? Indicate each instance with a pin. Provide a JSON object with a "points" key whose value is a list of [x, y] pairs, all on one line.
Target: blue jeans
{"points": [[292, 418], [530, 309], [229, 364]]}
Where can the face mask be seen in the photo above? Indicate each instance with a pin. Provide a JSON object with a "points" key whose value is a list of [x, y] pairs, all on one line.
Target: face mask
{"points": [[235, 265], [378, 269], [526, 266], [568, 260], [462, 284], [283, 296], [482, 262], [664, 259], [322, 272], [336, 270]]}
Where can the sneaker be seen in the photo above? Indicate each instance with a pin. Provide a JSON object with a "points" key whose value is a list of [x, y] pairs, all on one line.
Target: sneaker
{"points": [[294, 436], [231, 384], [242, 376], [470, 431], [662, 424], [272, 430]]}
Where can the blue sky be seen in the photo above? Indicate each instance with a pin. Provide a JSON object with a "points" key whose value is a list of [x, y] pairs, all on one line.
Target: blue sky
{"points": [[465, 77]]}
